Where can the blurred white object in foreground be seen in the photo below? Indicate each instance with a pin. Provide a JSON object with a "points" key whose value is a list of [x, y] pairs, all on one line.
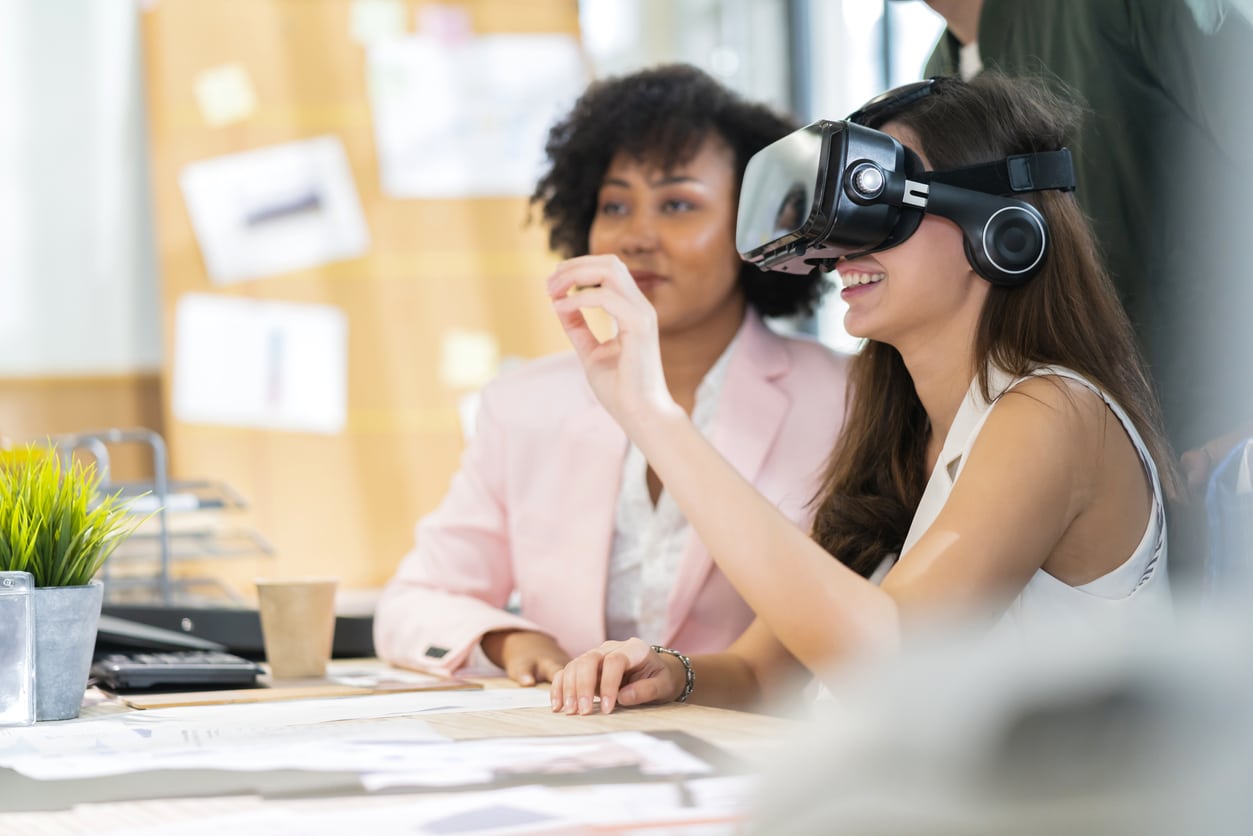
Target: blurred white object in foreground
{"points": [[1076, 734]]}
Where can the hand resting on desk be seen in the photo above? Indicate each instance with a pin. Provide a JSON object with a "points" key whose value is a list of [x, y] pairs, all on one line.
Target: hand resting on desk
{"points": [[625, 673], [526, 655]]}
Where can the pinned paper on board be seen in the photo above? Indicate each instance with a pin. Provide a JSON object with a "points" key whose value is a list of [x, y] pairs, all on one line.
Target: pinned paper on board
{"points": [[469, 118], [225, 94], [265, 364], [371, 21], [274, 210]]}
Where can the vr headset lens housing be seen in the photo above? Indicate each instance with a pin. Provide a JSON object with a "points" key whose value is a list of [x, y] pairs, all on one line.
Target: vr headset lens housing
{"points": [[836, 190], [780, 197], [802, 204]]}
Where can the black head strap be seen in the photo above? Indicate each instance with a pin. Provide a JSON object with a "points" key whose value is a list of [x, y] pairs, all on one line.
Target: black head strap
{"points": [[1012, 175]]}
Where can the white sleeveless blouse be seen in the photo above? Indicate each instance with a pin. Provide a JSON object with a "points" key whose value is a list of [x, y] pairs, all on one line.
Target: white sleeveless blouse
{"points": [[1136, 591]]}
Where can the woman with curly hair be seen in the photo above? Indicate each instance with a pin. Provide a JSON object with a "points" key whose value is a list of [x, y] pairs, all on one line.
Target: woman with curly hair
{"points": [[552, 500]]}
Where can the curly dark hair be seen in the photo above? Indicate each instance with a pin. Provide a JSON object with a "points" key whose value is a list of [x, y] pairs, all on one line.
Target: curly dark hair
{"points": [[661, 115]]}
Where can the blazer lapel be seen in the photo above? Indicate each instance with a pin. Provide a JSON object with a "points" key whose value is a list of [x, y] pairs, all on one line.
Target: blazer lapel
{"points": [[751, 409]]}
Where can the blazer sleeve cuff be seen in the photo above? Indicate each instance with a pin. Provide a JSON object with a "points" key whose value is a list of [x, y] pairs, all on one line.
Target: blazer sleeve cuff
{"points": [[408, 636]]}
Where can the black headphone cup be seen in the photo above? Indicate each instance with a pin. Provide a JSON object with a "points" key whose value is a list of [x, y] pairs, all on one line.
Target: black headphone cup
{"points": [[1011, 245], [1015, 239], [1005, 239]]}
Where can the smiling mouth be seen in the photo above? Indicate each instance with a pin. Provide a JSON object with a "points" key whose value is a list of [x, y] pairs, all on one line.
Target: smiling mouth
{"points": [[848, 280], [646, 279]]}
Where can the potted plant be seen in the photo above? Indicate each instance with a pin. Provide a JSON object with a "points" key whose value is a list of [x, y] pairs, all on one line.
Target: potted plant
{"points": [[55, 525]]}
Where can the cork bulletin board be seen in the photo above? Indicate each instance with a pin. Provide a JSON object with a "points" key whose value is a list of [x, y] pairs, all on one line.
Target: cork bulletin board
{"points": [[340, 502]]}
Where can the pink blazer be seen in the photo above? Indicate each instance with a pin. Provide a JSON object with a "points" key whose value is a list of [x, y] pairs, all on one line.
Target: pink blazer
{"points": [[532, 507]]}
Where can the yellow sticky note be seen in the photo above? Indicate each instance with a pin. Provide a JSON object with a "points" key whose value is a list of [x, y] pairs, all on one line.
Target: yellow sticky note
{"points": [[225, 94], [376, 20], [468, 359]]}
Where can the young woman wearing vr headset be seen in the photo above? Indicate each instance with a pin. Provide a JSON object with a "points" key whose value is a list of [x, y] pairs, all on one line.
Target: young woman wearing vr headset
{"points": [[1002, 457]]}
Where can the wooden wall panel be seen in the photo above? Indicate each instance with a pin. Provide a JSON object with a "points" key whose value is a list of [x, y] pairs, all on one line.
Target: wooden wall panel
{"points": [[32, 409], [344, 504]]}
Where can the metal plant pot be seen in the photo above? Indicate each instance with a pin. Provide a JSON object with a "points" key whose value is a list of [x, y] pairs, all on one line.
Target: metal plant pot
{"points": [[66, 619]]}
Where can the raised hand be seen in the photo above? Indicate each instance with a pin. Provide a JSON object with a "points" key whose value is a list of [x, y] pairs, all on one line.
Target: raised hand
{"points": [[527, 656], [625, 370], [621, 673]]}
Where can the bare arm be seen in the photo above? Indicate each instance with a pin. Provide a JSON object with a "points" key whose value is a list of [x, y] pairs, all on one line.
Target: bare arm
{"points": [[818, 608], [734, 521]]}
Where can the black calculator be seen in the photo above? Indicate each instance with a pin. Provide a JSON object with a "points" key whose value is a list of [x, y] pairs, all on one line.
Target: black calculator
{"points": [[184, 669]]}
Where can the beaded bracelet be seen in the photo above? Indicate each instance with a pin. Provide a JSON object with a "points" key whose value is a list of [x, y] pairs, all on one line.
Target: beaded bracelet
{"points": [[687, 669]]}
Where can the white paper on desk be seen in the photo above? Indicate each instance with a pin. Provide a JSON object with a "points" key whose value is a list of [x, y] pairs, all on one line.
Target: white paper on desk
{"points": [[274, 210], [462, 762], [305, 712], [469, 117], [525, 809], [272, 365], [653, 805], [385, 753], [211, 817], [366, 733], [345, 746]]}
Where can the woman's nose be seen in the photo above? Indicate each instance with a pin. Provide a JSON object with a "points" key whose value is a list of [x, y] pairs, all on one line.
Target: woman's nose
{"points": [[639, 234]]}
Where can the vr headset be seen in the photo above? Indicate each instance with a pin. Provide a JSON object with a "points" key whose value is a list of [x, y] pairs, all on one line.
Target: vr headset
{"points": [[836, 190]]}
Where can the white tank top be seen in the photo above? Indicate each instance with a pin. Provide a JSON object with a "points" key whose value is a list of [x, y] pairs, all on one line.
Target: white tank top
{"points": [[1136, 590]]}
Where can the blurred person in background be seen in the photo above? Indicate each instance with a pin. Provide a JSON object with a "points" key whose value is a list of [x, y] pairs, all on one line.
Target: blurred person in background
{"points": [[552, 499]]}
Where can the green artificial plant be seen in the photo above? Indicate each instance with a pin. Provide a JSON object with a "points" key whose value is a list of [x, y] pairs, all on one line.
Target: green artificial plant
{"points": [[53, 524]]}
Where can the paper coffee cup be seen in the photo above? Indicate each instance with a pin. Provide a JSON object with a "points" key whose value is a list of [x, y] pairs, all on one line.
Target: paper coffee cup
{"points": [[297, 625]]}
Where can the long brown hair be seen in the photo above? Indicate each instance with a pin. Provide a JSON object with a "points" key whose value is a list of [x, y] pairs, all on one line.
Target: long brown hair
{"points": [[1067, 315]]}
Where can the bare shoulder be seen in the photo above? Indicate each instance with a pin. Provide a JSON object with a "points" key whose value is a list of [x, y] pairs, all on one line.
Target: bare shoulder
{"points": [[1053, 428], [1049, 406]]}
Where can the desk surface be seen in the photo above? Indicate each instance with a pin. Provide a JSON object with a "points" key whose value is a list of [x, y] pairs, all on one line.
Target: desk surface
{"points": [[740, 734]]}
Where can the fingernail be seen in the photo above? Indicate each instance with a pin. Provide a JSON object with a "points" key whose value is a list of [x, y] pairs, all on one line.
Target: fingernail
{"points": [[606, 706], [569, 705], [527, 680], [556, 704], [585, 705]]}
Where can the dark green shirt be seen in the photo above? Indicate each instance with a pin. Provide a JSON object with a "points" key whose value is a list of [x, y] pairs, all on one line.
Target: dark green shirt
{"points": [[1162, 167]]}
